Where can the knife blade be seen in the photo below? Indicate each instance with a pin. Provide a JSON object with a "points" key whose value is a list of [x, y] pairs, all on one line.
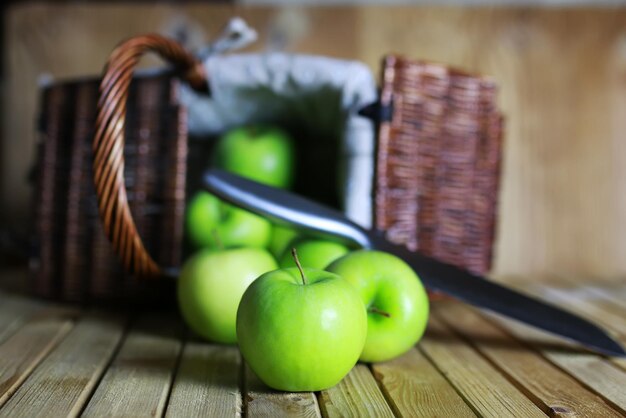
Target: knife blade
{"points": [[286, 208]]}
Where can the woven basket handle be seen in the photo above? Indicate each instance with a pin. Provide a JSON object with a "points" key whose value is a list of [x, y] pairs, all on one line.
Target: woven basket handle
{"points": [[108, 144]]}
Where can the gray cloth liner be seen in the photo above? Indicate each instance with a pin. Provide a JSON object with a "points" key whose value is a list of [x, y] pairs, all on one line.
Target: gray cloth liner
{"points": [[319, 92]]}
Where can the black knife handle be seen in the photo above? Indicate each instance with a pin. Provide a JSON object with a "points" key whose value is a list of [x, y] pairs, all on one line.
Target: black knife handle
{"points": [[284, 208]]}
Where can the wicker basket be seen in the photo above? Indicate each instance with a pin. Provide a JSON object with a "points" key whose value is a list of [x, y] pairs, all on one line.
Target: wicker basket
{"points": [[436, 182], [438, 162]]}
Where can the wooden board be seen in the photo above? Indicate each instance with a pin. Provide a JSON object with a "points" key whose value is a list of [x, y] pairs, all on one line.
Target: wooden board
{"points": [[560, 71], [604, 310], [261, 401], [483, 387], [207, 382], [14, 311], [138, 381], [61, 361], [414, 387], [596, 373], [64, 381], [356, 395], [28, 346], [551, 389]]}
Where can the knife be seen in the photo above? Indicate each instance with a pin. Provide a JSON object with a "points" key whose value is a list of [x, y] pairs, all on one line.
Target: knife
{"points": [[286, 208]]}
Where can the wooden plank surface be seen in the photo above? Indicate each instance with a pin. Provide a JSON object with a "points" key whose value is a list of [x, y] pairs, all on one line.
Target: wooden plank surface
{"points": [[414, 387], [261, 401], [607, 313], [592, 370], [553, 390], [138, 381], [28, 346], [488, 392], [607, 296], [207, 382], [612, 289], [62, 362], [64, 381], [14, 311], [357, 395]]}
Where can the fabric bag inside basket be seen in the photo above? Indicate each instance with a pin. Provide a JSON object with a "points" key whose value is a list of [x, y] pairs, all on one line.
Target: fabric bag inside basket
{"points": [[316, 99]]}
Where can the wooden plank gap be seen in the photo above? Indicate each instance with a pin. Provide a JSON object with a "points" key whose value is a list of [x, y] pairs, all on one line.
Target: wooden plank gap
{"points": [[183, 345], [243, 385], [386, 393]]}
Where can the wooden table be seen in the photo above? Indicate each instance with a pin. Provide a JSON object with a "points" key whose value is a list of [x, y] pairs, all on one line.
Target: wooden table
{"points": [[58, 360]]}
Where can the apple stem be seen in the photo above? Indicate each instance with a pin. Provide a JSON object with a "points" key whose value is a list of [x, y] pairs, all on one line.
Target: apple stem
{"points": [[218, 240], [294, 253], [375, 310]]}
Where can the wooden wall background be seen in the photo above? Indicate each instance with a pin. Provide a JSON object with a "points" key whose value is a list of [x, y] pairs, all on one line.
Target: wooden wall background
{"points": [[562, 74]]}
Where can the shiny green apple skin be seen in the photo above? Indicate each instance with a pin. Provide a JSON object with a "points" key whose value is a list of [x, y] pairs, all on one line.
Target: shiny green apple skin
{"points": [[263, 153], [299, 337], [385, 282], [209, 219], [211, 285], [313, 253], [281, 237]]}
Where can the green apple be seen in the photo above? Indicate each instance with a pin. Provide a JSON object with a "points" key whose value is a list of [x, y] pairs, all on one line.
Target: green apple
{"points": [[212, 223], [313, 253], [263, 153], [395, 297], [301, 334], [280, 239], [211, 285]]}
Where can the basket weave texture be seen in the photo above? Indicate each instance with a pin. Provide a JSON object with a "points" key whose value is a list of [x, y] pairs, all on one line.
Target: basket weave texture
{"points": [[74, 258], [438, 162]]}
